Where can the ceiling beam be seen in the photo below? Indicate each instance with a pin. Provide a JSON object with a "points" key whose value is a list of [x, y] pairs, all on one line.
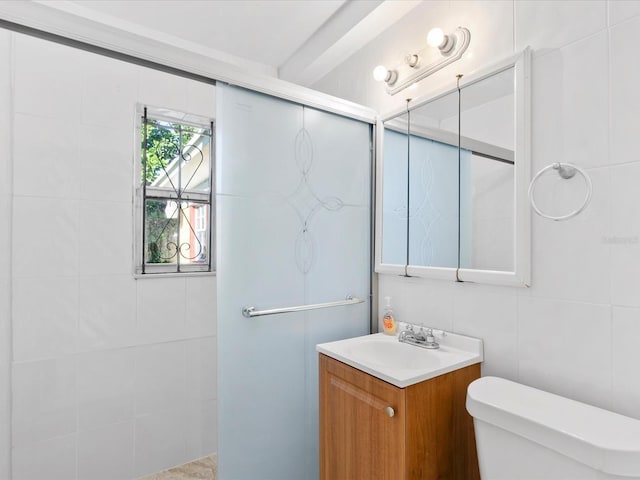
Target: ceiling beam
{"points": [[353, 26]]}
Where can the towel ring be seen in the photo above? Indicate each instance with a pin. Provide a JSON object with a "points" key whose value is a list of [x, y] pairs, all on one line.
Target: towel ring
{"points": [[566, 171]]}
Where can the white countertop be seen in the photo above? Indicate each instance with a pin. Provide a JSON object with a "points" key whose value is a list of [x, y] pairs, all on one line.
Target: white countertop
{"points": [[401, 364]]}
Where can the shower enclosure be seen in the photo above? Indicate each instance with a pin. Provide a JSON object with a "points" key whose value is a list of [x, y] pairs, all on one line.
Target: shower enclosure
{"points": [[294, 229]]}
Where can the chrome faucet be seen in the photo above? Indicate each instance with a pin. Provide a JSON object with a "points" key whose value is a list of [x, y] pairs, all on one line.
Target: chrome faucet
{"points": [[406, 334], [424, 339]]}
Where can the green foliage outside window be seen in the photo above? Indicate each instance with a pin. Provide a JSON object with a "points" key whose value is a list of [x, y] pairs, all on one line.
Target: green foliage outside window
{"points": [[164, 142]]}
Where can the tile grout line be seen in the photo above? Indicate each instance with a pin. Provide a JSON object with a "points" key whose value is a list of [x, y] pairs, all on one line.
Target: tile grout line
{"points": [[10, 352]]}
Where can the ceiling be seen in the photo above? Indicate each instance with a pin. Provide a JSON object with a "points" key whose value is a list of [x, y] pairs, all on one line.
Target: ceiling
{"points": [[267, 32], [296, 40]]}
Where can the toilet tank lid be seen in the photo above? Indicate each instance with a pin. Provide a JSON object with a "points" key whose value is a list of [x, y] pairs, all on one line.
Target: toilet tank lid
{"points": [[604, 440]]}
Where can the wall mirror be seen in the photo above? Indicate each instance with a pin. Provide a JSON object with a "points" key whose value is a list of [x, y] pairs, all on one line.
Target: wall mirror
{"points": [[453, 172]]}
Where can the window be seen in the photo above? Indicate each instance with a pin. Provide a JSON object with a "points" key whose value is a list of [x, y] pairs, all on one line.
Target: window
{"points": [[174, 194]]}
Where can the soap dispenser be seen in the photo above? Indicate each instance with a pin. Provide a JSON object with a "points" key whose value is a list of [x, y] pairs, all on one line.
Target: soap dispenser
{"points": [[388, 322]]}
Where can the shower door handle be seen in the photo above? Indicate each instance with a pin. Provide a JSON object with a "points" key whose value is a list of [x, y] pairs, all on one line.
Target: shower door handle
{"points": [[251, 311]]}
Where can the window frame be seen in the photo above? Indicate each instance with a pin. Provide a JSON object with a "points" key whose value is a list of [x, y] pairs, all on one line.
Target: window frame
{"points": [[143, 193]]}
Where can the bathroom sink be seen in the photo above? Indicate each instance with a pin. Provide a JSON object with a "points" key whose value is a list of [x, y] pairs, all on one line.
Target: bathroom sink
{"points": [[401, 364], [381, 353]]}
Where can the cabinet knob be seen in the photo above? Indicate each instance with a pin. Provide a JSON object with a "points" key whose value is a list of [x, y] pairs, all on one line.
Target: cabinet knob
{"points": [[389, 411]]}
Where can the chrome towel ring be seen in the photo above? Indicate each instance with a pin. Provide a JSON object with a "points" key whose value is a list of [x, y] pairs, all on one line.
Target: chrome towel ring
{"points": [[566, 171]]}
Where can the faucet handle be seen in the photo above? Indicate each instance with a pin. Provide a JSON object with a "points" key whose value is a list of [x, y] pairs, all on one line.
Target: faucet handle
{"points": [[429, 336], [439, 333]]}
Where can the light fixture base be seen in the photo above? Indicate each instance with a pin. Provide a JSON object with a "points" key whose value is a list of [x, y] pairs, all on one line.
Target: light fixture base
{"points": [[392, 77], [452, 49], [412, 60]]}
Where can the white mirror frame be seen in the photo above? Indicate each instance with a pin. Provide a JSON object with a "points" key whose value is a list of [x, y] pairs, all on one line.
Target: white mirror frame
{"points": [[521, 275]]}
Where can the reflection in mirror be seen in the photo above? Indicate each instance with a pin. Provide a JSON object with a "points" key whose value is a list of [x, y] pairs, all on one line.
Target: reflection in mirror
{"points": [[421, 168], [433, 185], [394, 177], [487, 136]]}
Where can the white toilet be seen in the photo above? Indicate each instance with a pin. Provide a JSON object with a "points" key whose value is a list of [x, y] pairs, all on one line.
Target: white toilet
{"points": [[526, 434]]}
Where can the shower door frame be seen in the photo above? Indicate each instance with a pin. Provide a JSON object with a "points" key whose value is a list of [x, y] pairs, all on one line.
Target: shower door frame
{"points": [[366, 261]]}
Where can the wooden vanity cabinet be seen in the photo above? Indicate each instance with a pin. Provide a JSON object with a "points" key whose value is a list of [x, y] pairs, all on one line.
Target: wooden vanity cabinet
{"points": [[426, 434]]}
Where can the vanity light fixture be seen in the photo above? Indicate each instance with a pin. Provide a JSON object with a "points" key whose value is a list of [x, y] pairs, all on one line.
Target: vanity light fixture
{"points": [[417, 66]]}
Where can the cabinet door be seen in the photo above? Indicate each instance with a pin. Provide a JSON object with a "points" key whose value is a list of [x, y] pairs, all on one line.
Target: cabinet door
{"points": [[360, 438]]}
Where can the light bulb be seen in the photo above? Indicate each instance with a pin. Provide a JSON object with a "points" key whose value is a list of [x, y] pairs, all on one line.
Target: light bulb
{"points": [[380, 73], [435, 37]]}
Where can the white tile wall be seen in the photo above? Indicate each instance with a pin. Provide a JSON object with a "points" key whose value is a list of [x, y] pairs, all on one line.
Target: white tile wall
{"points": [[54, 459], [202, 428], [44, 400], [171, 92], [45, 317], [107, 453], [160, 321], [160, 381], [549, 24], [107, 324], [626, 358], [105, 239], [44, 236], [105, 167], [575, 330], [52, 149], [625, 97], [202, 369], [109, 93], [5, 257], [620, 10], [160, 441], [113, 378], [200, 99], [432, 306], [105, 388], [498, 330], [201, 304], [625, 235], [565, 347], [569, 98], [47, 85]]}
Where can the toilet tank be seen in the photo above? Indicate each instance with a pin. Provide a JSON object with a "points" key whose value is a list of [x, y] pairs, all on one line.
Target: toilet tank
{"points": [[526, 433]]}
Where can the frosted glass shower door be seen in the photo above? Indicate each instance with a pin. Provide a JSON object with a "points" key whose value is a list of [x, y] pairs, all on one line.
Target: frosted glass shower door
{"points": [[293, 202]]}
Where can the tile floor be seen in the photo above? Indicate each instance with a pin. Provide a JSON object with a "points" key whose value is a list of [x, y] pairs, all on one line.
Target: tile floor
{"points": [[203, 469]]}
